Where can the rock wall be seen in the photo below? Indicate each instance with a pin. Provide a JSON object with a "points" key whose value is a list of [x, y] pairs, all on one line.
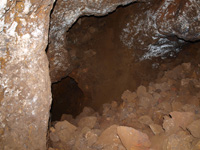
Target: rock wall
{"points": [[25, 94], [157, 27], [160, 27], [63, 17]]}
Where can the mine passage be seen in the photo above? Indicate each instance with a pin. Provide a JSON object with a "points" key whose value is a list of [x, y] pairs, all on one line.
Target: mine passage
{"points": [[128, 80]]}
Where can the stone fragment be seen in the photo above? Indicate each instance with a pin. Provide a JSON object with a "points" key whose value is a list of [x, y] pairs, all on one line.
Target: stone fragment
{"points": [[162, 86], [141, 91], [133, 139], [156, 129], [194, 128], [54, 137], [65, 125], [145, 100], [145, 120], [108, 137], [180, 141], [63, 131], [177, 120], [87, 111], [67, 117], [166, 106], [129, 96], [91, 137], [87, 122], [176, 105]]}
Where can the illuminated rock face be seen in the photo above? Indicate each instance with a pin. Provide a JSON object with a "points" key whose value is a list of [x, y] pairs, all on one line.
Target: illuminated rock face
{"points": [[154, 26], [25, 94], [63, 17], [160, 27]]}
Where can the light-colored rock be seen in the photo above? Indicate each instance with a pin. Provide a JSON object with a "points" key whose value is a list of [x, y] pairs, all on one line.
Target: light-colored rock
{"points": [[87, 122], [65, 125], [156, 129], [166, 106], [54, 137], [108, 137], [177, 120], [133, 139], [145, 120], [180, 141], [129, 96], [91, 137], [194, 128], [141, 91]]}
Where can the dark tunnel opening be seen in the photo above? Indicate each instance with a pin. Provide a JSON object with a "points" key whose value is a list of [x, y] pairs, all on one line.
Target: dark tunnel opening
{"points": [[68, 98]]}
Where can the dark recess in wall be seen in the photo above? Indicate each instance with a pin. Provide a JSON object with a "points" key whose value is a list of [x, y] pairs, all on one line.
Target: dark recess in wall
{"points": [[67, 99]]}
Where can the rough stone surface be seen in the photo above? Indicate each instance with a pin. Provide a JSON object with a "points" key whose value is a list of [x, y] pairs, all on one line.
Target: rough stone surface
{"points": [[157, 26], [108, 137], [133, 139], [24, 74], [63, 16], [128, 126], [179, 141], [87, 122], [177, 121], [194, 128], [156, 129]]}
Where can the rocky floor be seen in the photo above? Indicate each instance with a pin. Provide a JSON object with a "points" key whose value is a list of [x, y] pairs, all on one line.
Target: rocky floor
{"points": [[162, 116]]}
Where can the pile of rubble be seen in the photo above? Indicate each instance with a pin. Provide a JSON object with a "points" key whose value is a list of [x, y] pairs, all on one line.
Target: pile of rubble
{"points": [[163, 116]]}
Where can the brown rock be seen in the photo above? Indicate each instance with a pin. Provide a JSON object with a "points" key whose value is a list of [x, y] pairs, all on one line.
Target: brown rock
{"points": [[194, 128], [65, 125], [91, 137], [176, 105], [129, 96], [166, 106], [141, 91], [156, 129], [180, 141], [145, 120], [87, 122], [67, 117], [177, 121], [133, 139], [108, 137]]}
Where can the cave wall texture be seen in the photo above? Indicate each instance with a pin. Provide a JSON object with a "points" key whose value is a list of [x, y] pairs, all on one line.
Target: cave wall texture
{"points": [[25, 95], [25, 87], [158, 27], [63, 17]]}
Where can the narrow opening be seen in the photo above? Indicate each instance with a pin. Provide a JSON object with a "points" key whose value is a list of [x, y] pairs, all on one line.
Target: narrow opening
{"points": [[67, 99]]}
